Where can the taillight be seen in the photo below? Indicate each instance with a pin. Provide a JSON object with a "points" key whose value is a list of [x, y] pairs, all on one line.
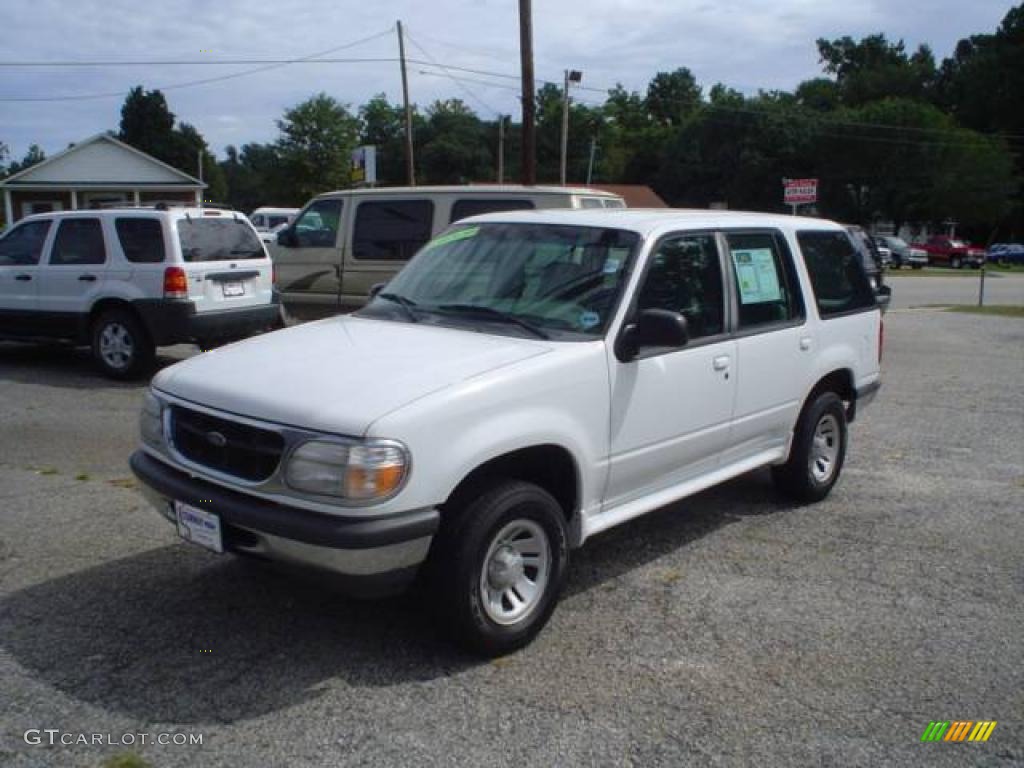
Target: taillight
{"points": [[273, 274], [881, 339], [175, 283]]}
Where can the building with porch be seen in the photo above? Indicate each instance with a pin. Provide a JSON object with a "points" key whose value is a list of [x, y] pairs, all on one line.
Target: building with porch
{"points": [[93, 173]]}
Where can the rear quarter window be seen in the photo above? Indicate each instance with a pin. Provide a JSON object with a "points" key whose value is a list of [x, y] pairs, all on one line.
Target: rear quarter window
{"points": [[218, 239], [142, 240], [837, 275], [462, 209]]}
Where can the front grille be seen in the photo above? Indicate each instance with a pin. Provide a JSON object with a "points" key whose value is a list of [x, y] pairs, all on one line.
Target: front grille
{"points": [[235, 449]]}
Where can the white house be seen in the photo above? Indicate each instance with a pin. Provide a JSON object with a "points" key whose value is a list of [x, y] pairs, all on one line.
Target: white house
{"points": [[94, 172]]}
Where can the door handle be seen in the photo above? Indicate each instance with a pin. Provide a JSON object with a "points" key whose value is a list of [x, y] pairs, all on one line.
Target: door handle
{"points": [[87, 278], [805, 343], [720, 363], [23, 278]]}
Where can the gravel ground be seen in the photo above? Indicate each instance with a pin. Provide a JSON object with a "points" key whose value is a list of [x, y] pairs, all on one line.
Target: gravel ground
{"points": [[730, 629]]}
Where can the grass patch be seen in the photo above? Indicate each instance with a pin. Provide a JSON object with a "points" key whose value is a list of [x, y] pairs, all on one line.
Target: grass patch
{"points": [[935, 272], [994, 266], [82, 477], [125, 760], [997, 310], [123, 482], [47, 471]]}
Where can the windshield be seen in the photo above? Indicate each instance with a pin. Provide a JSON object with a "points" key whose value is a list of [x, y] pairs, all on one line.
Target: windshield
{"points": [[217, 239], [544, 280]]}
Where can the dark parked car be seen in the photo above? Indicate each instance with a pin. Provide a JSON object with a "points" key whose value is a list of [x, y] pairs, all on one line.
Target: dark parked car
{"points": [[871, 259], [1006, 253], [903, 253]]}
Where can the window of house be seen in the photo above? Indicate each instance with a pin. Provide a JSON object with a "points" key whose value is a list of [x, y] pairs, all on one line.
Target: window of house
{"points": [[837, 275], [764, 278], [391, 230], [79, 241], [142, 240], [685, 276], [23, 245]]}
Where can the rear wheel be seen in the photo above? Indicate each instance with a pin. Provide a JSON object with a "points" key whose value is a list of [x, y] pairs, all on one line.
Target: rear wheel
{"points": [[956, 263], [499, 565], [121, 347], [818, 451]]}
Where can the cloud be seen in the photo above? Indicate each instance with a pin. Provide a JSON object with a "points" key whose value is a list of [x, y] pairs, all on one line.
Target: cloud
{"points": [[747, 44]]}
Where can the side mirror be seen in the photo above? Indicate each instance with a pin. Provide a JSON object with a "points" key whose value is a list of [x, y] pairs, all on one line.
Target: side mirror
{"points": [[287, 238], [652, 328], [376, 288]]}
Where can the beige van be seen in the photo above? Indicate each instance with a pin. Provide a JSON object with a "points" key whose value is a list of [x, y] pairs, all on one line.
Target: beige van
{"points": [[343, 243]]}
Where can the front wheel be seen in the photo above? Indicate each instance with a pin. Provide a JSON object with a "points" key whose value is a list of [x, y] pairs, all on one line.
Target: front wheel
{"points": [[818, 451], [501, 561], [121, 347], [955, 262]]}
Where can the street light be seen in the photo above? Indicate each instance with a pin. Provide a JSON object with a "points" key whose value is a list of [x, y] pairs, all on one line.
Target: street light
{"points": [[571, 76]]}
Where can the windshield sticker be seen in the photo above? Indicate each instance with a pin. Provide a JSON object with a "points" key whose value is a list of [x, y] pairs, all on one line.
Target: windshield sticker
{"points": [[453, 237], [611, 266], [589, 320], [755, 272]]}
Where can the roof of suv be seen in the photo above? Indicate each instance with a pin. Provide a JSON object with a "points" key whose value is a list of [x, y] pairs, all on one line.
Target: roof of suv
{"points": [[650, 220], [478, 189], [173, 212]]}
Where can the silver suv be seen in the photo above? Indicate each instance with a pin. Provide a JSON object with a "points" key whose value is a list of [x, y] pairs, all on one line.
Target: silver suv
{"points": [[126, 281]]}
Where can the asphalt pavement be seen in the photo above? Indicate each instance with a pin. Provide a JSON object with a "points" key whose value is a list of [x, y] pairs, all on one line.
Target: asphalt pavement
{"points": [[729, 629]]}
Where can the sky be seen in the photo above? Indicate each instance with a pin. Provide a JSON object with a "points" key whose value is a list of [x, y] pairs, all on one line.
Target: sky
{"points": [[745, 44]]}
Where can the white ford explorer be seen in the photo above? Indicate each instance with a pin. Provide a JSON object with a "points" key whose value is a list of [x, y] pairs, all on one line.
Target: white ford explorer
{"points": [[530, 379]]}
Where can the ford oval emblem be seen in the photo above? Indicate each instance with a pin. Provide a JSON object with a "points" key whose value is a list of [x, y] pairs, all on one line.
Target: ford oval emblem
{"points": [[216, 439]]}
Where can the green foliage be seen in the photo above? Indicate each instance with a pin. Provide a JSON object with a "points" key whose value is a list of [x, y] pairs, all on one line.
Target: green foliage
{"points": [[672, 96], [315, 147], [873, 68], [34, 155]]}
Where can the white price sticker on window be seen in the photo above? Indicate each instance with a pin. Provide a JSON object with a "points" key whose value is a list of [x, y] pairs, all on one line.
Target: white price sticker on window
{"points": [[756, 274]]}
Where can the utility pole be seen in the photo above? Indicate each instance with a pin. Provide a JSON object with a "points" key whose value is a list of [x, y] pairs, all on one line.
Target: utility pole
{"points": [[571, 76], [590, 165], [529, 149], [199, 158], [410, 163], [501, 149]]}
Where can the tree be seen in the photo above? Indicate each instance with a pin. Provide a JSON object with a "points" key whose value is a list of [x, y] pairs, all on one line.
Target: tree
{"points": [[873, 68], [383, 126], [455, 149], [315, 147], [34, 155], [671, 96]]}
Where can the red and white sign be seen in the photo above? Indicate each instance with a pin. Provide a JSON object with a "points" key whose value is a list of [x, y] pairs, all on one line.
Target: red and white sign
{"points": [[801, 191]]}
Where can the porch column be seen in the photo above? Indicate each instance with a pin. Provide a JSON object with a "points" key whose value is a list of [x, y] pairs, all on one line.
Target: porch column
{"points": [[74, 199], [199, 197], [8, 208], [136, 198]]}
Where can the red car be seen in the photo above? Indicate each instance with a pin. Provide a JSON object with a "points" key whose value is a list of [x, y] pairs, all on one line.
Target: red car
{"points": [[949, 251]]}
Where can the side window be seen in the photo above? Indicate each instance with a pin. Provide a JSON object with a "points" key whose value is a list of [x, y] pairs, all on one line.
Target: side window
{"points": [[79, 242], [142, 240], [611, 202], [462, 209], [766, 287], [837, 276], [23, 245], [317, 226], [685, 276], [590, 202], [391, 230]]}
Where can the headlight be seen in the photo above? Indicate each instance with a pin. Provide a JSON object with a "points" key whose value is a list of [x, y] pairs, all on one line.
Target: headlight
{"points": [[151, 421], [874, 283], [361, 471]]}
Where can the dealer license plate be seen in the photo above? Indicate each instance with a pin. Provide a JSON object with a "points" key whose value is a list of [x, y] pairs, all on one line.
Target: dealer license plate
{"points": [[234, 289], [198, 526]]}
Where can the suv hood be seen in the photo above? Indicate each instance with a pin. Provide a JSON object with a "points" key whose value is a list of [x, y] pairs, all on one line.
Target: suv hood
{"points": [[339, 375]]}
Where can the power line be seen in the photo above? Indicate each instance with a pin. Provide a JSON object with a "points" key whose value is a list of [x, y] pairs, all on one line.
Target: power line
{"points": [[465, 89], [268, 65]]}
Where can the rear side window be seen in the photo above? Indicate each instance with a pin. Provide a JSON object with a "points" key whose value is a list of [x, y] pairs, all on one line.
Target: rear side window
{"points": [[837, 276], [142, 240], [391, 230], [79, 241], [23, 245], [217, 239], [591, 202], [464, 208], [764, 278]]}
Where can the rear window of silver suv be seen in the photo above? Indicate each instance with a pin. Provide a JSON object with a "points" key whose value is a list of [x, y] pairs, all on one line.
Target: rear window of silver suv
{"points": [[218, 239]]}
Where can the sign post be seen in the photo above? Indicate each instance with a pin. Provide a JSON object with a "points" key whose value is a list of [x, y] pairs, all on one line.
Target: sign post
{"points": [[797, 192], [364, 166]]}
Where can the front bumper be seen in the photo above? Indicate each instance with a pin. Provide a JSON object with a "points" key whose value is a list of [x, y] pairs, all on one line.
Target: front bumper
{"points": [[172, 321], [376, 556]]}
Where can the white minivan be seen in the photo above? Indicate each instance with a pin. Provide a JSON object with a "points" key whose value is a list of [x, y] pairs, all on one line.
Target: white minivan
{"points": [[343, 243], [127, 280], [529, 380]]}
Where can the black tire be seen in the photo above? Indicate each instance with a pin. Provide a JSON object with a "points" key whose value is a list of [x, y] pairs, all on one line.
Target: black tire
{"points": [[956, 263], [801, 477], [135, 351], [468, 534]]}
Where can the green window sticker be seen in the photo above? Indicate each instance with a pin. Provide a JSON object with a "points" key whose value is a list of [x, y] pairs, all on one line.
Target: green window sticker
{"points": [[756, 275], [453, 237]]}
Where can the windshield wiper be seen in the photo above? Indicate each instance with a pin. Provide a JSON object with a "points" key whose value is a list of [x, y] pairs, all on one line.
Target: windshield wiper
{"points": [[406, 304], [497, 314]]}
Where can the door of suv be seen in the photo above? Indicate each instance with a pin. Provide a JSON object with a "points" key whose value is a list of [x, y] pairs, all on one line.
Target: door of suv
{"points": [[671, 408], [73, 275], [20, 252], [307, 254]]}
